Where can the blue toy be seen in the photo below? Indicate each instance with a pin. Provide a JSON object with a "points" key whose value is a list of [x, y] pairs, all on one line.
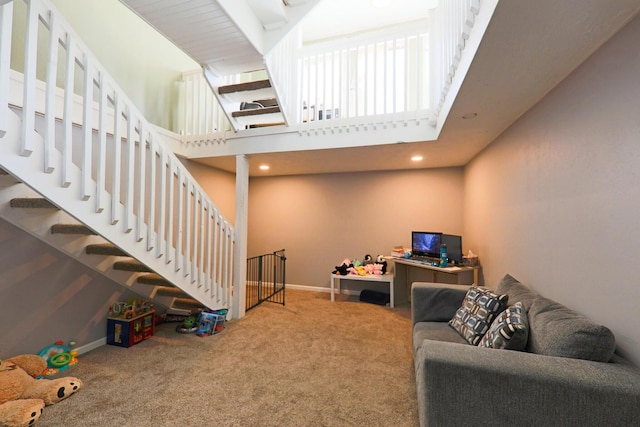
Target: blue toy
{"points": [[59, 357]]}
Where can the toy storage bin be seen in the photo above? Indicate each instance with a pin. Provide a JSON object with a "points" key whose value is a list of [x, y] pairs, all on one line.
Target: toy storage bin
{"points": [[127, 332]]}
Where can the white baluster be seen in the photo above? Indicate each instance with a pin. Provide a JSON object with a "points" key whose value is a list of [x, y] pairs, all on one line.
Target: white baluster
{"points": [[50, 96]]}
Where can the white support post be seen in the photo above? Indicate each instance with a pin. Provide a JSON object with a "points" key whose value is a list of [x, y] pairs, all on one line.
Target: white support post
{"points": [[6, 15], [240, 247]]}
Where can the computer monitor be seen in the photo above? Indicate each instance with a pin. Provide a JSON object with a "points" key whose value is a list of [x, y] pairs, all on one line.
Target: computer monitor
{"points": [[425, 243], [454, 247]]}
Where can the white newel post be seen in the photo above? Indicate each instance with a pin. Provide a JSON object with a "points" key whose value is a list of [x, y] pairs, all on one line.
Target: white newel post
{"points": [[240, 247]]}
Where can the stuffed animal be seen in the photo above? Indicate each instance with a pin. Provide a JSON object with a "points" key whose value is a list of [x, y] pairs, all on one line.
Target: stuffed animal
{"points": [[22, 397], [368, 259], [343, 269], [383, 262]]}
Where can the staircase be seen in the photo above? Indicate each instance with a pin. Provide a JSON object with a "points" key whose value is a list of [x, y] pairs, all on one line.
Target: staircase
{"points": [[247, 105], [24, 208], [88, 175]]}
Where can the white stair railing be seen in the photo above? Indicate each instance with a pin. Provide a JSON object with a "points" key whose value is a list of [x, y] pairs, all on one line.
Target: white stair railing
{"points": [[91, 152], [453, 22]]}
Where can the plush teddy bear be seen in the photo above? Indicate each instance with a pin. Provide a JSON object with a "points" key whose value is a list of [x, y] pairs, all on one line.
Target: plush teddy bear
{"points": [[22, 397]]}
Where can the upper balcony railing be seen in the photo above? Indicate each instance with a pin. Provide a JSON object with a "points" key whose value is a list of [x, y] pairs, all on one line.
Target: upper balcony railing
{"points": [[390, 76]]}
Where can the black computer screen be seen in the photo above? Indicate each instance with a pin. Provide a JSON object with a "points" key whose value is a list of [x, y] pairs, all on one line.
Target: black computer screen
{"points": [[454, 247], [425, 243]]}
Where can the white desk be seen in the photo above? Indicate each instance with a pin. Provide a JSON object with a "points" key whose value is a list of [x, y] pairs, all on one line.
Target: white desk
{"points": [[407, 271], [385, 278]]}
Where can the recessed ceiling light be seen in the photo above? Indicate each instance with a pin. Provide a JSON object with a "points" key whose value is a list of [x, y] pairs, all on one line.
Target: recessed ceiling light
{"points": [[264, 167], [416, 158]]}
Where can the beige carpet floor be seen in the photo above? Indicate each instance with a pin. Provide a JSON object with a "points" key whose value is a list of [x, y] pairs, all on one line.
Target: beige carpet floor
{"points": [[308, 363]]}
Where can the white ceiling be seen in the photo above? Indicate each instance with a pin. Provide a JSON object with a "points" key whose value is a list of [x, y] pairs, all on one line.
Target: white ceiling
{"points": [[339, 18], [529, 47]]}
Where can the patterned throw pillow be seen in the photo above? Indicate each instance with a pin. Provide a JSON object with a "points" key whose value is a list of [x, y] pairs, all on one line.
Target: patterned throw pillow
{"points": [[479, 307], [509, 331]]}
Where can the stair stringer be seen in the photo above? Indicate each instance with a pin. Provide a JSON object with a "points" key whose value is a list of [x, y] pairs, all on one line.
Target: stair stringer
{"points": [[29, 170]]}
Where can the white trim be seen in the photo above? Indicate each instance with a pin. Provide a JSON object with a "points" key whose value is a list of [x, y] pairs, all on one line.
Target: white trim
{"points": [[319, 289], [91, 346]]}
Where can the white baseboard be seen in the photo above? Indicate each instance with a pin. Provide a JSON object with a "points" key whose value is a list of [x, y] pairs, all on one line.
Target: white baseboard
{"points": [[91, 346], [319, 289]]}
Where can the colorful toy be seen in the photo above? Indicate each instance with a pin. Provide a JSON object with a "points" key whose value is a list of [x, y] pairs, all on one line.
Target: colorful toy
{"points": [[188, 325], [22, 397], [58, 358], [343, 269], [383, 262], [211, 322]]}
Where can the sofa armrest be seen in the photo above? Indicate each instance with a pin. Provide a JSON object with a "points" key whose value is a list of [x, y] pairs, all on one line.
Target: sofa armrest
{"points": [[435, 302], [465, 385]]}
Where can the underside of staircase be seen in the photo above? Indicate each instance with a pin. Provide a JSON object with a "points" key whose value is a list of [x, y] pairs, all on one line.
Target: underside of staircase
{"points": [[26, 209]]}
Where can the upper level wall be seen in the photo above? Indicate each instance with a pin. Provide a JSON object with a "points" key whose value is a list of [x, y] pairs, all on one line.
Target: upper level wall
{"points": [[140, 60], [554, 201]]}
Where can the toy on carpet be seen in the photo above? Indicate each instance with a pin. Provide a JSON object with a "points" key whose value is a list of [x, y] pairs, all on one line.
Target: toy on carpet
{"points": [[188, 326], [59, 357], [22, 396], [211, 322]]}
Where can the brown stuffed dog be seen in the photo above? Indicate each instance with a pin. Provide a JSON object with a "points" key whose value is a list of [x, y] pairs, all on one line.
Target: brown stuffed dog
{"points": [[22, 397]]}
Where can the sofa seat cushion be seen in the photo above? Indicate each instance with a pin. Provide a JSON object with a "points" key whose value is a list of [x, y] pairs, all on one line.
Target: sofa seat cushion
{"points": [[555, 330], [509, 331], [516, 291], [438, 331], [479, 308]]}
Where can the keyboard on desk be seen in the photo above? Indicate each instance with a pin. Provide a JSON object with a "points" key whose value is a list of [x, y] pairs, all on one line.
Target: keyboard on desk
{"points": [[426, 260]]}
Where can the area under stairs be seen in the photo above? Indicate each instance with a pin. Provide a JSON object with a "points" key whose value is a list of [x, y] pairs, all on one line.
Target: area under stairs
{"points": [[248, 105], [24, 208]]}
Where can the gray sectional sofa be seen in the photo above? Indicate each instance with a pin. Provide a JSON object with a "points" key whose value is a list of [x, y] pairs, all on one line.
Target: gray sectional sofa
{"points": [[566, 375]]}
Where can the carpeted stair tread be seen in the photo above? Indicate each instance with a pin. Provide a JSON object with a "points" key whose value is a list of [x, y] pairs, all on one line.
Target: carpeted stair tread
{"points": [[256, 112], [105, 249], [185, 303], [244, 87], [170, 291], [131, 265], [32, 202], [153, 279], [72, 229]]}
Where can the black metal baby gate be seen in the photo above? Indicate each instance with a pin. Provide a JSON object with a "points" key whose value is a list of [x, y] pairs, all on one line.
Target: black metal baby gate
{"points": [[265, 279]]}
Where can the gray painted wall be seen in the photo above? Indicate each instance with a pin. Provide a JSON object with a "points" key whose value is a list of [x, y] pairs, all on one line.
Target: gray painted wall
{"points": [[554, 201], [45, 296], [322, 219]]}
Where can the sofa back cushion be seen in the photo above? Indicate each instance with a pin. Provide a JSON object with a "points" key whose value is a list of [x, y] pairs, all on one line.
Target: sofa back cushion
{"points": [[516, 291], [555, 330]]}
